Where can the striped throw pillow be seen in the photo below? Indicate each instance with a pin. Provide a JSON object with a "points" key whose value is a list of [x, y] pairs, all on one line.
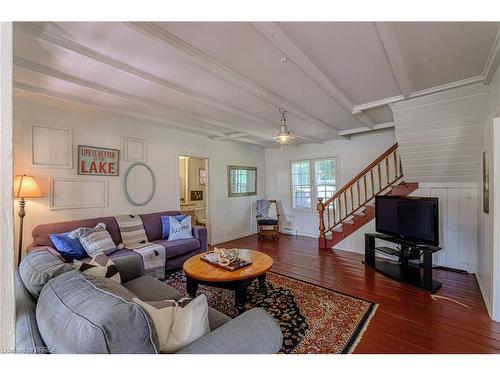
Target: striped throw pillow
{"points": [[99, 266], [95, 240]]}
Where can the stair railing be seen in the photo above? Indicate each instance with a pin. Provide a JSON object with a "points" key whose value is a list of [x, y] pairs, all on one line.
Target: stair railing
{"points": [[371, 181]]}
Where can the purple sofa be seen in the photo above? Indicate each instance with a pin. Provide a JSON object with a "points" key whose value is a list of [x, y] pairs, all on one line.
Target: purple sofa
{"points": [[177, 251]]}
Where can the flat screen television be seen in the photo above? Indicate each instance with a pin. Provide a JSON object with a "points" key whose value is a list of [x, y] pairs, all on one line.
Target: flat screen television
{"points": [[412, 218]]}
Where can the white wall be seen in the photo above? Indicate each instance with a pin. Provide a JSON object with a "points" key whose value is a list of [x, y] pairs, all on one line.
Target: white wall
{"points": [[231, 217], [352, 156], [488, 269]]}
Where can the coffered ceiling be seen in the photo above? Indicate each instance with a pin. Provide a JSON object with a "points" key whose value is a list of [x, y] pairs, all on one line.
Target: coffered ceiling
{"points": [[226, 80]]}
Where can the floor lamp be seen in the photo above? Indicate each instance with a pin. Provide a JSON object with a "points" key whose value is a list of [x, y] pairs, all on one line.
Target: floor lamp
{"points": [[24, 187]]}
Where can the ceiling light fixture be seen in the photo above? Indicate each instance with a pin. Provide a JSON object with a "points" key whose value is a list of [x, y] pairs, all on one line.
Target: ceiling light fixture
{"points": [[284, 59], [284, 137]]}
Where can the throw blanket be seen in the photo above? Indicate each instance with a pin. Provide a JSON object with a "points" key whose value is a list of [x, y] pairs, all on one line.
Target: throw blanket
{"points": [[154, 257], [134, 238], [262, 208]]}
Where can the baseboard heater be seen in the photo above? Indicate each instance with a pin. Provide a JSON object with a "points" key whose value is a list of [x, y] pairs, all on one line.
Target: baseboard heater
{"points": [[290, 231]]}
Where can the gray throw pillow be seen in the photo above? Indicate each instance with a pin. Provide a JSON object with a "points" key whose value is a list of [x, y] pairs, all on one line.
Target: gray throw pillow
{"points": [[95, 240]]}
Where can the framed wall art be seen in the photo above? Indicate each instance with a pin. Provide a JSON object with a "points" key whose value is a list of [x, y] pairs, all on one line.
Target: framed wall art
{"points": [[98, 161], [196, 195]]}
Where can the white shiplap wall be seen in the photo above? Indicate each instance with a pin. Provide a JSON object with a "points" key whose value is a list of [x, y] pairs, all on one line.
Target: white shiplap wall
{"points": [[457, 223], [440, 135]]}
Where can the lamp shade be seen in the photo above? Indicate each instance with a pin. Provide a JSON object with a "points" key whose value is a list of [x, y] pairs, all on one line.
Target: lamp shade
{"points": [[26, 187]]}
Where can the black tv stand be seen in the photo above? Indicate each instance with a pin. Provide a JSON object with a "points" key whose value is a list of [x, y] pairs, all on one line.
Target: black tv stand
{"points": [[404, 270]]}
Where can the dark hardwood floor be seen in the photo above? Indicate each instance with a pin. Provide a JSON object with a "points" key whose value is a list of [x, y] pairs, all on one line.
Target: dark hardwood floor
{"points": [[407, 320]]}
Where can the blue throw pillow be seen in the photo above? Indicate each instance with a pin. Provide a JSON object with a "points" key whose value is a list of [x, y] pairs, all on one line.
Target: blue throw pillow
{"points": [[165, 225], [69, 248]]}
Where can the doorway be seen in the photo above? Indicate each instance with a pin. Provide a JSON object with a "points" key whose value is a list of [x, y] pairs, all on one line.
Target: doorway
{"points": [[193, 189]]}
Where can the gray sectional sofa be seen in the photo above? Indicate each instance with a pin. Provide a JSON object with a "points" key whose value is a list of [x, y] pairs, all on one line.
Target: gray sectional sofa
{"points": [[59, 310]]}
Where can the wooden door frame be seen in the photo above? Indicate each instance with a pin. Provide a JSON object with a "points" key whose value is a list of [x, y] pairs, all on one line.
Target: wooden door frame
{"points": [[8, 259]]}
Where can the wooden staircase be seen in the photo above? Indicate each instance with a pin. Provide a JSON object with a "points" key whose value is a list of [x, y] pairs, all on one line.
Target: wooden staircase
{"points": [[351, 207]]}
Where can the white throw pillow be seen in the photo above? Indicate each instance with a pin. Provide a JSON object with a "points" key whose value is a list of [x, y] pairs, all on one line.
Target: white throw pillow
{"points": [[180, 230], [178, 323]]}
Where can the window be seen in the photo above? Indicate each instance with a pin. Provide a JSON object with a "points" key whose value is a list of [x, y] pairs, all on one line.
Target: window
{"points": [[312, 179]]}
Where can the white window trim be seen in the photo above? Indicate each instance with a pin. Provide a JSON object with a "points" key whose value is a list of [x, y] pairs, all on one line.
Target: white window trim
{"points": [[314, 198]]}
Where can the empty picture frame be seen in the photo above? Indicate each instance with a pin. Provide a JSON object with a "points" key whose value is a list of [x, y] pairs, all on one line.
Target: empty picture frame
{"points": [[135, 149], [50, 147], [72, 193], [139, 184]]}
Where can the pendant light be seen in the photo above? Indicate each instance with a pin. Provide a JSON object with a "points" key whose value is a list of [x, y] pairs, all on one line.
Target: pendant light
{"points": [[284, 137]]}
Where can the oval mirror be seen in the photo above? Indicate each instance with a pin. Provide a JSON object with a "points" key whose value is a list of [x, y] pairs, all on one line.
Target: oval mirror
{"points": [[139, 184]]}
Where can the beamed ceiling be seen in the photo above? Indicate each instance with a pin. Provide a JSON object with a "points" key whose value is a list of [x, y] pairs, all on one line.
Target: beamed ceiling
{"points": [[226, 80]]}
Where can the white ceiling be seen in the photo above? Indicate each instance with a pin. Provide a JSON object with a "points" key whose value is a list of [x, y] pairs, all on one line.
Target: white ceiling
{"points": [[227, 81]]}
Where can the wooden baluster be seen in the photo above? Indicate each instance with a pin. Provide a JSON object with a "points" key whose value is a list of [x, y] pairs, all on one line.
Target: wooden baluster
{"points": [[373, 184], [379, 178], [387, 169], [322, 237], [340, 208], [345, 203], [352, 198], [328, 218], [395, 165], [364, 183], [359, 194], [334, 217]]}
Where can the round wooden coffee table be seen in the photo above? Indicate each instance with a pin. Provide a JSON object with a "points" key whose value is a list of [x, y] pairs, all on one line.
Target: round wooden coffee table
{"points": [[200, 272]]}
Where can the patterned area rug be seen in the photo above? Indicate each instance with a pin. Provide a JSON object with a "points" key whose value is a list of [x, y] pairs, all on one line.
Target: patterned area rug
{"points": [[313, 319]]}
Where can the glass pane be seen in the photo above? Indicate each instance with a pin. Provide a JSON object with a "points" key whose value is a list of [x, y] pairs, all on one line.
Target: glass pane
{"points": [[325, 171], [300, 167], [301, 196]]}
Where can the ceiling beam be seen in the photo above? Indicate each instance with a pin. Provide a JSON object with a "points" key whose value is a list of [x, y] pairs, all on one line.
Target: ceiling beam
{"points": [[69, 45], [181, 116], [158, 120], [378, 103], [416, 94], [493, 60], [391, 46], [233, 135], [142, 117], [276, 36], [245, 140], [364, 129], [154, 31]]}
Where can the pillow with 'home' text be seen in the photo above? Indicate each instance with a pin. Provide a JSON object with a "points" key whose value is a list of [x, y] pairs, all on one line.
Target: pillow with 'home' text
{"points": [[180, 229], [165, 225]]}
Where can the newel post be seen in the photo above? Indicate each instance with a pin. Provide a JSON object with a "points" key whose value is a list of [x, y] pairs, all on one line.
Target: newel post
{"points": [[322, 238]]}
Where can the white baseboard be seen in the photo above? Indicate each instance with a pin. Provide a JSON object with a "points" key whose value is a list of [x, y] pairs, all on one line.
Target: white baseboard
{"points": [[484, 294], [306, 234], [233, 237]]}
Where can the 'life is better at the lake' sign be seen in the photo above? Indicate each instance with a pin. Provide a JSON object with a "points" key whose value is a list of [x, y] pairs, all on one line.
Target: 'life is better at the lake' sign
{"points": [[98, 161]]}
